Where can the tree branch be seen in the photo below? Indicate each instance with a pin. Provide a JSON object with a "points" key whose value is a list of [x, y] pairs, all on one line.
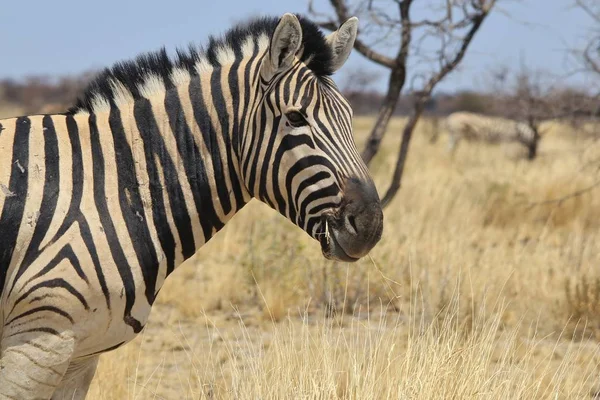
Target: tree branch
{"points": [[444, 28], [589, 61], [341, 12], [450, 65], [425, 94], [560, 200], [587, 9]]}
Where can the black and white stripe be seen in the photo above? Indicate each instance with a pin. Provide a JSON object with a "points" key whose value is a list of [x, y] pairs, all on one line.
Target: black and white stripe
{"points": [[100, 204], [483, 128]]}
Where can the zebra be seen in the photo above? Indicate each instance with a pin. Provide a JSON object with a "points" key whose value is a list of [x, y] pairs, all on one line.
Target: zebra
{"points": [[99, 204], [477, 127]]}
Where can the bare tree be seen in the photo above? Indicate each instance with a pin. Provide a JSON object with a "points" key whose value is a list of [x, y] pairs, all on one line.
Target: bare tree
{"points": [[441, 41], [590, 55], [531, 106], [533, 96], [523, 98]]}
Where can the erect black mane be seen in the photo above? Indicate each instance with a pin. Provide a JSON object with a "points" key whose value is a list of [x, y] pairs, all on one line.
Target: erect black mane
{"points": [[317, 54]]}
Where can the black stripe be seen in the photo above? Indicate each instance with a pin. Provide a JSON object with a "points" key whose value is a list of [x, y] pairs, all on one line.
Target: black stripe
{"points": [[256, 75], [336, 143], [341, 116], [299, 166], [36, 330], [105, 350], [324, 146], [320, 207], [52, 284], [64, 253], [312, 221], [287, 143], [340, 140], [316, 210], [197, 174], [258, 129], [250, 110], [307, 99], [42, 297], [233, 133], [294, 206], [77, 177], [186, 146], [240, 125], [330, 145], [300, 90], [120, 260], [209, 133], [86, 235], [14, 206], [265, 162], [154, 146], [49, 196], [328, 191], [74, 214], [285, 86], [130, 199], [53, 309]]}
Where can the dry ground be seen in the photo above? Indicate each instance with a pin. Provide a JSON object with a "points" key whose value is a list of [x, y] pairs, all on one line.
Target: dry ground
{"points": [[475, 291]]}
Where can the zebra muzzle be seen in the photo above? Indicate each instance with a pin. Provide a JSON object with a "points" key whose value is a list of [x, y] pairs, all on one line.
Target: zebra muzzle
{"points": [[352, 230]]}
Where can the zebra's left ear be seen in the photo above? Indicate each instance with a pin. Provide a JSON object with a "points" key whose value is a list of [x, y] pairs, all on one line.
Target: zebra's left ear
{"points": [[342, 42], [284, 45]]}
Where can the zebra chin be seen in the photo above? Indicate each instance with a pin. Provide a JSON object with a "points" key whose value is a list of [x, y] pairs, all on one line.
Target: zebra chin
{"points": [[338, 244], [331, 248]]}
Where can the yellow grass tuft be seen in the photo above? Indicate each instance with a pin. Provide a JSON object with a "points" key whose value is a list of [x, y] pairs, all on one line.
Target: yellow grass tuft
{"points": [[582, 295]]}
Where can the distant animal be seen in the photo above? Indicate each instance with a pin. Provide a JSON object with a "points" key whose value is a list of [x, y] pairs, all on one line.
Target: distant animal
{"points": [[477, 127], [100, 204]]}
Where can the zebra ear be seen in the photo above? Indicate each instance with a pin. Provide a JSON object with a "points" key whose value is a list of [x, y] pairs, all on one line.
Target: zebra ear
{"points": [[342, 41], [284, 45]]}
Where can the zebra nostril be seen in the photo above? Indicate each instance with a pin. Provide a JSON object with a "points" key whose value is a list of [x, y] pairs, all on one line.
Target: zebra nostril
{"points": [[352, 222]]}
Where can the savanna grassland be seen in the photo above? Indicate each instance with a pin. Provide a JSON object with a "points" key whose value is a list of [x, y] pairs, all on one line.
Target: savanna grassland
{"points": [[482, 287]]}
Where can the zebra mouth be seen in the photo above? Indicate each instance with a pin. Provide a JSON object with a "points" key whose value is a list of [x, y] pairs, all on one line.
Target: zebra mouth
{"points": [[330, 247]]}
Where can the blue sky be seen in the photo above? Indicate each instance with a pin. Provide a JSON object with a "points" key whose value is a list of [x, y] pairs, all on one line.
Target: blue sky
{"points": [[67, 36]]}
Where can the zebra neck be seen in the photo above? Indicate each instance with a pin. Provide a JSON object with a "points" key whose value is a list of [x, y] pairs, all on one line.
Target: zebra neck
{"points": [[187, 166]]}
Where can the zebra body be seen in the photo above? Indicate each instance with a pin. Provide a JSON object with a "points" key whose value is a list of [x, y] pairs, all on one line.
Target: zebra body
{"points": [[100, 204], [482, 128]]}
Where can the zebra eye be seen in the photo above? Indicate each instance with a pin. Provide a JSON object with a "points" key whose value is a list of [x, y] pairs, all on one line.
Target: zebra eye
{"points": [[296, 119]]}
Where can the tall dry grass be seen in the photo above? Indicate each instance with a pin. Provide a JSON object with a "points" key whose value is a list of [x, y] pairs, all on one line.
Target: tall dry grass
{"points": [[483, 286], [362, 359]]}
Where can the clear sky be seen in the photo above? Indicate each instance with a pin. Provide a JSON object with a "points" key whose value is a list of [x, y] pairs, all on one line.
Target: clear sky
{"points": [[70, 36]]}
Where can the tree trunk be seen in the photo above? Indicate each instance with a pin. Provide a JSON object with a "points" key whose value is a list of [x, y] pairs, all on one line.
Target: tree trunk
{"points": [[395, 84], [406, 136], [532, 147]]}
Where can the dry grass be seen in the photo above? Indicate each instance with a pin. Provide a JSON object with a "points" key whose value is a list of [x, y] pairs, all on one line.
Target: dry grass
{"points": [[478, 289]]}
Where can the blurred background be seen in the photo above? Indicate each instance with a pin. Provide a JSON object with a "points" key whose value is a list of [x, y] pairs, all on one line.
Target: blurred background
{"points": [[51, 49]]}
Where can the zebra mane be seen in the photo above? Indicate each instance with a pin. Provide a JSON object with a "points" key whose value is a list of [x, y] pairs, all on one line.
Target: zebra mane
{"points": [[132, 74]]}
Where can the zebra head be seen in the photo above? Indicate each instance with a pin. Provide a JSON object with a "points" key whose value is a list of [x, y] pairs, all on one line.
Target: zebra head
{"points": [[301, 158]]}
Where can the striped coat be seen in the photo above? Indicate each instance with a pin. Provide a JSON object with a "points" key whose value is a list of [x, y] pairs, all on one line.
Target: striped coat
{"points": [[482, 128], [99, 205]]}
